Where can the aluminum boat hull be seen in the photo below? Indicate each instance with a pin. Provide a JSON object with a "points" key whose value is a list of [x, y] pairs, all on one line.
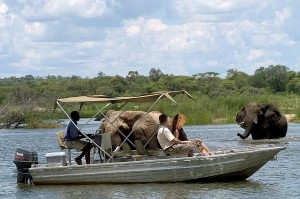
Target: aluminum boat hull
{"points": [[234, 165]]}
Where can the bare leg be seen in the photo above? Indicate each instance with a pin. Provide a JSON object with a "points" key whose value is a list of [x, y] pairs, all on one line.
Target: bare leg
{"points": [[205, 149]]}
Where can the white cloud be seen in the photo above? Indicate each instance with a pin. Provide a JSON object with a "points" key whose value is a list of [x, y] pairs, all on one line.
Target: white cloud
{"points": [[273, 39], [87, 44], [3, 8], [212, 63], [179, 37], [217, 10], [282, 16], [155, 25], [132, 30], [255, 54], [3, 11], [83, 8], [141, 25], [35, 29], [58, 8]]}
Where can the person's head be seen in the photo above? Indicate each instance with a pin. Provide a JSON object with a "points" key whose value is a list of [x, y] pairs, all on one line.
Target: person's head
{"points": [[75, 115], [178, 121], [163, 118]]}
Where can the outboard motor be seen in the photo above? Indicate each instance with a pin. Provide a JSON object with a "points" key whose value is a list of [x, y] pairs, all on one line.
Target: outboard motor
{"points": [[23, 160]]}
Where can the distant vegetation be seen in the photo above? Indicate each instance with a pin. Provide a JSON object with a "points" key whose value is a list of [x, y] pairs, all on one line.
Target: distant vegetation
{"points": [[31, 99]]}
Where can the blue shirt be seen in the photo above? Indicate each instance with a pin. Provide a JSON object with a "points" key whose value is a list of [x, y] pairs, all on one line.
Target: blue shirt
{"points": [[71, 131]]}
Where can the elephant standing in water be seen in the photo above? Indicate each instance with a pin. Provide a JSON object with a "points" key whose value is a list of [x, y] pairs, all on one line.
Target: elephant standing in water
{"points": [[143, 127], [262, 121]]}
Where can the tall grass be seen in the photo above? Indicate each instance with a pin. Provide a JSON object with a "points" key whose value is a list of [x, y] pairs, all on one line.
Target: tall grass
{"points": [[204, 110], [223, 109]]}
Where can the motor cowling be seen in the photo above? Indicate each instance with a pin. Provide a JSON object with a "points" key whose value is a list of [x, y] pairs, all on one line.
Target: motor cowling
{"points": [[23, 160]]}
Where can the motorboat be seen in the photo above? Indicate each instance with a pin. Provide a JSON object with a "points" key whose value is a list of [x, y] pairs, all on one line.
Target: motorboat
{"points": [[140, 165]]}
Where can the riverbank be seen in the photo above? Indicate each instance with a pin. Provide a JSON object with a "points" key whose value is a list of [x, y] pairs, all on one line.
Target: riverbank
{"points": [[291, 118], [204, 110]]}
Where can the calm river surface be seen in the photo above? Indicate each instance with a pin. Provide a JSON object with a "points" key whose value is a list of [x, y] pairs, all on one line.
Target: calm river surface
{"points": [[277, 179]]}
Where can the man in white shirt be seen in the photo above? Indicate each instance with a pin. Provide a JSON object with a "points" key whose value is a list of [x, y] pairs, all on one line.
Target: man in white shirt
{"points": [[172, 145]]}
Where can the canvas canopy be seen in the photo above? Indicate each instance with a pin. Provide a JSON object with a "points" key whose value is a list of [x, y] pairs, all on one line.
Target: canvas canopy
{"points": [[139, 99]]}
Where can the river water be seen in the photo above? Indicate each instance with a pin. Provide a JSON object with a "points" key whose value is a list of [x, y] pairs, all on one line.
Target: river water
{"points": [[277, 179]]}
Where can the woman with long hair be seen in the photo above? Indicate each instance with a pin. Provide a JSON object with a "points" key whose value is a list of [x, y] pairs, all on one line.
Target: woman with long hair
{"points": [[178, 132]]}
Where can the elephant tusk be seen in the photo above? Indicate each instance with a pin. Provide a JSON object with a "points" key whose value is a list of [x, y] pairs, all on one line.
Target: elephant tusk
{"points": [[255, 121], [241, 123]]}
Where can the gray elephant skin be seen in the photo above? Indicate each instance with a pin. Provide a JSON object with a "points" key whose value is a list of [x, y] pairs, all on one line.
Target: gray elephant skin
{"points": [[262, 121], [141, 124]]}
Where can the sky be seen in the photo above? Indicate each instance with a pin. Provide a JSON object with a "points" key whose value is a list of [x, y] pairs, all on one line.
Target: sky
{"points": [[86, 37]]}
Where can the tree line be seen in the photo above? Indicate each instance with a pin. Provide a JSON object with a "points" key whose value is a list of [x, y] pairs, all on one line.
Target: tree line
{"points": [[22, 94]]}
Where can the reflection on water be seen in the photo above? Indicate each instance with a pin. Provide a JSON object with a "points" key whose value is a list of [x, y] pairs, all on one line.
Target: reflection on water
{"points": [[277, 179], [169, 190]]}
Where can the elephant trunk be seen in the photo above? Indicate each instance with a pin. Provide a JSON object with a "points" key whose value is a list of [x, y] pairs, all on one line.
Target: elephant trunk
{"points": [[246, 133]]}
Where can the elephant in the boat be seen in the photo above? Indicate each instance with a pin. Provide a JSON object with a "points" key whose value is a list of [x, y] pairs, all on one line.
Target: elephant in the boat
{"points": [[144, 126], [262, 121]]}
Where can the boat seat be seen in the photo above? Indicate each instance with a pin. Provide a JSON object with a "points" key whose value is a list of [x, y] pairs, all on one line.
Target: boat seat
{"points": [[62, 144], [126, 149], [140, 147], [104, 141]]}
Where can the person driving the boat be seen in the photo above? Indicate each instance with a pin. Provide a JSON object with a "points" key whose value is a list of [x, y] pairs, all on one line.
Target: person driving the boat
{"points": [[178, 132], [73, 136], [172, 145]]}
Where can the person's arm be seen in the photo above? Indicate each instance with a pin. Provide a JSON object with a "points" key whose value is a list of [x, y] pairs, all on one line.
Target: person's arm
{"points": [[80, 136], [91, 136], [176, 141], [77, 138]]}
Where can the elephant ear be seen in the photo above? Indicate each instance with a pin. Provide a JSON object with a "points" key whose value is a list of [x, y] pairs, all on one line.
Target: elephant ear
{"points": [[275, 116], [240, 115], [271, 115]]}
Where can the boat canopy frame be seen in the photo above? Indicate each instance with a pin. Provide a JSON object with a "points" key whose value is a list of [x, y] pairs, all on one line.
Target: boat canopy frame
{"points": [[101, 99]]}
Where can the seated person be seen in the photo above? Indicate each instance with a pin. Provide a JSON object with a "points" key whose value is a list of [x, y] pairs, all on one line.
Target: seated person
{"points": [[177, 124], [178, 132], [172, 145], [73, 136]]}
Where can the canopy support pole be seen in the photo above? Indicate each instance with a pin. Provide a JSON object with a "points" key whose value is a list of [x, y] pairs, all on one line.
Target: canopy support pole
{"points": [[127, 138], [111, 122]]}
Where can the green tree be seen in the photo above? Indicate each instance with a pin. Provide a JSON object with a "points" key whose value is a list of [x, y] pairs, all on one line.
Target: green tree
{"points": [[240, 79], [206, 76], [100, 74], [274, 77], [259, 79], [292, 74], [294, 85], [119, 84], [137, 84], [180, 83], [29, 77], [207, 82], [278, 77], [155, 74]]}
